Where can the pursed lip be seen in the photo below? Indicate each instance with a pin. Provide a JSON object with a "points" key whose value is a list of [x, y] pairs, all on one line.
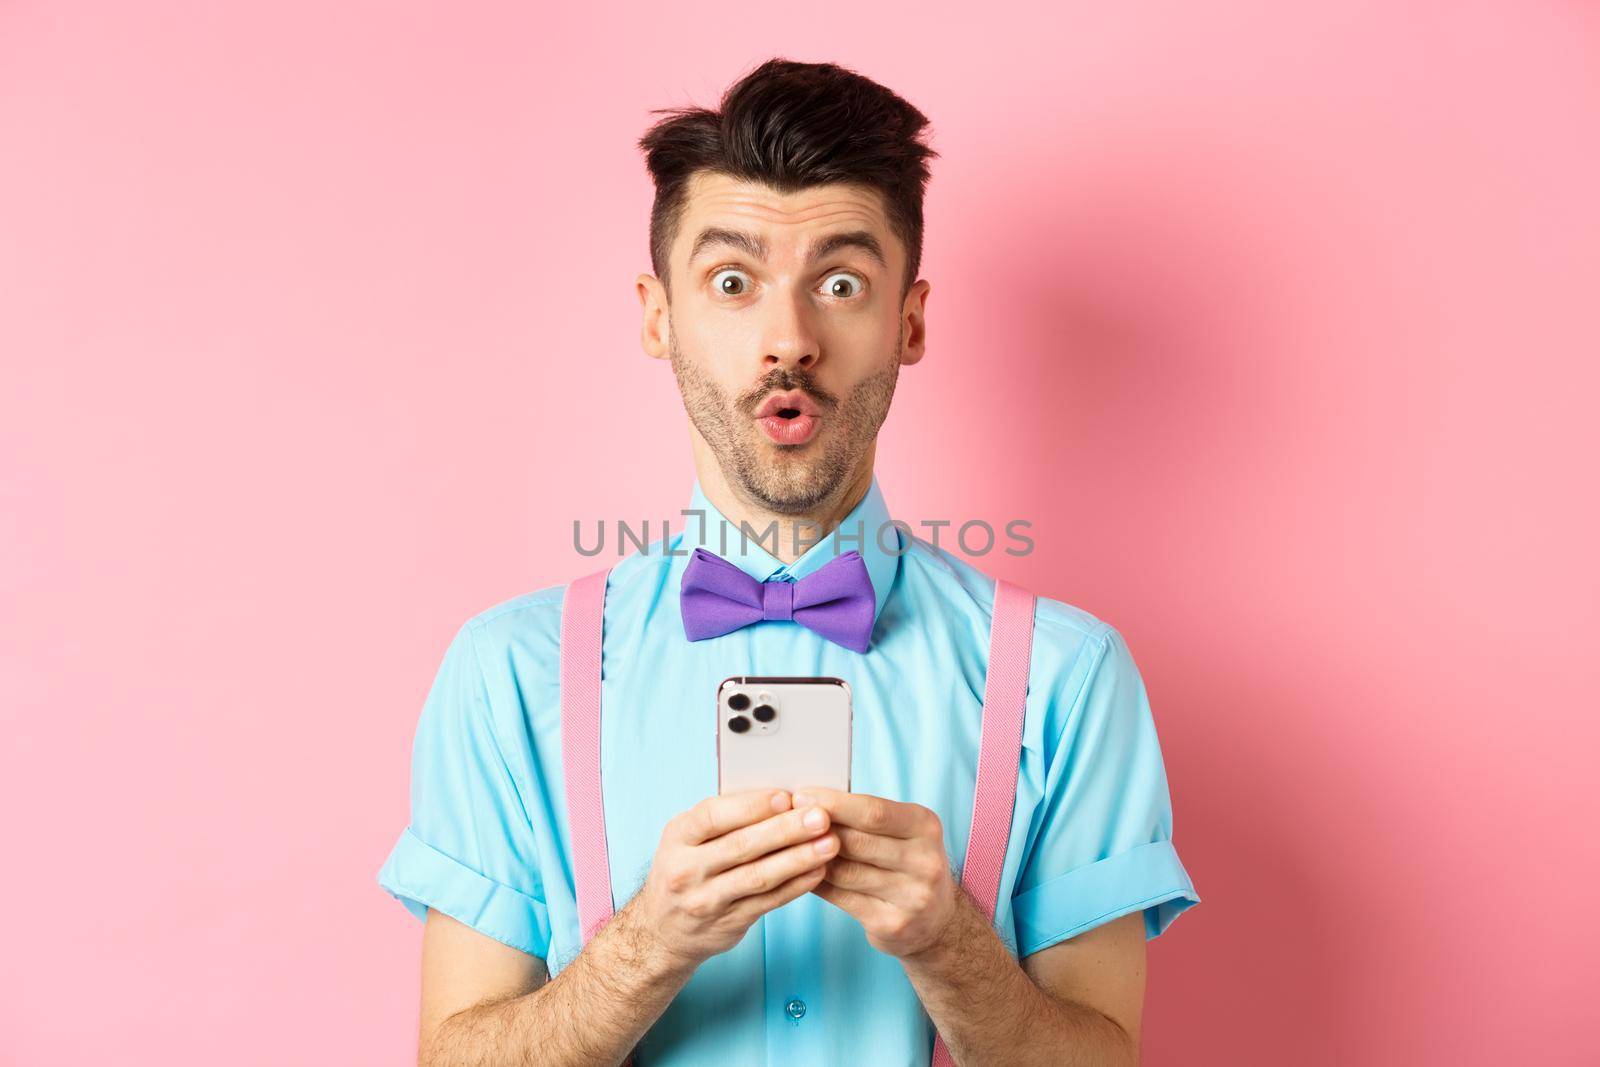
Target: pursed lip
{"points": [[794, 399]]}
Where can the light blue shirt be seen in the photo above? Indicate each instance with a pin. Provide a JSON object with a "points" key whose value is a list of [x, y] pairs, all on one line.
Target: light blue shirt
{"points": [[1091, 835]]}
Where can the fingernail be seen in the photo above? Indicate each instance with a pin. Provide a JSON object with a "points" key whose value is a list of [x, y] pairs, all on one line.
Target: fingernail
{"points": [[802, 799], [814, 818], [824, 846], [780, 800]]}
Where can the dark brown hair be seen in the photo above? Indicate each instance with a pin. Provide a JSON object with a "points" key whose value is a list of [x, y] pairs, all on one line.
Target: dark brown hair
{"points": [[790, 125]]}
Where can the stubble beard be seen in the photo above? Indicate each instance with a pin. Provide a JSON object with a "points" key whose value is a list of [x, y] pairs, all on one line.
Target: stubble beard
{"points": [[786, 480]]}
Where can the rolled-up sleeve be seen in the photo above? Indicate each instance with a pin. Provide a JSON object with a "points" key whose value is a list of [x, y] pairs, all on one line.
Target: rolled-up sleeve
{"points": [[1104, 847], [469, 850]]}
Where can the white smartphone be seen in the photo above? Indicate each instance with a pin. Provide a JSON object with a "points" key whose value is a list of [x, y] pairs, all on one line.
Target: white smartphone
{"points": [[783, 733]]}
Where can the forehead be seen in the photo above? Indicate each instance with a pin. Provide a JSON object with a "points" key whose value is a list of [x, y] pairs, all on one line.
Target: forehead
{"points": [[784, 218]]}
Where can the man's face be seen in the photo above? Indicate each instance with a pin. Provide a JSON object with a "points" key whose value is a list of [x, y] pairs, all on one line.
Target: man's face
{"points": [[786, 331]]}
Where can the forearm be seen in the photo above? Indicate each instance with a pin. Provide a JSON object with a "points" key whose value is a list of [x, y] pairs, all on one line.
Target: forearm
{"points": [[990, 1012], [593, 1012]]}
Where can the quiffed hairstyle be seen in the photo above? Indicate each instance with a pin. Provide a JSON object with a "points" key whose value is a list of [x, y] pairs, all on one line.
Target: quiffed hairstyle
{"points": [[792, 125]]}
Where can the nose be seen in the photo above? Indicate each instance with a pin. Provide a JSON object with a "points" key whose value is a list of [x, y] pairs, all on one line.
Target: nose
{"points": [[788, 338]]}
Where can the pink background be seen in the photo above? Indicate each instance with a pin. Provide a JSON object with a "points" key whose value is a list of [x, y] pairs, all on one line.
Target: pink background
{"points": [[1280, 325]]}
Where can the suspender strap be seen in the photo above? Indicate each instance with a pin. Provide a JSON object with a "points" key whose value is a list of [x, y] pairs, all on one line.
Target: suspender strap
{"points": [[582, 612], [1000, 747], [1005, 688], [582, 623]]}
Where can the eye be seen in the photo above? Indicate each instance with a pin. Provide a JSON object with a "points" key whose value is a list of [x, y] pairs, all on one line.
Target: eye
{"points": [[843, 285], [730, 281]]}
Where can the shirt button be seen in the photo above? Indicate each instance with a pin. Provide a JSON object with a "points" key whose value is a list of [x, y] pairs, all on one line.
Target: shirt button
{"points": [[795, 1008]]}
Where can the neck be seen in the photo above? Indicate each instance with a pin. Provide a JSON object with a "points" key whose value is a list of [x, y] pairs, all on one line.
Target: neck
{"points": [[796, 531]]}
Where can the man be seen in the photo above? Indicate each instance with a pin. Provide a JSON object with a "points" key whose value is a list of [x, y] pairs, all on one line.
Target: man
{"points": [[762, 927]]}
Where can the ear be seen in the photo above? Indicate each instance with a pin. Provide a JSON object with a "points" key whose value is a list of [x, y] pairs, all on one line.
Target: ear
{"points": [[653, 331], [913, 324]]}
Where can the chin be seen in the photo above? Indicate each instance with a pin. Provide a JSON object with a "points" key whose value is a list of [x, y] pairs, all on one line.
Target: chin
{"points": [[802, 491]]}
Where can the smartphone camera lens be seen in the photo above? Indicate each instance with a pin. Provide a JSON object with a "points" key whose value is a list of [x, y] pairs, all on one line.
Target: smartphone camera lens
{"points": [[763, 713], [738, 724], [739, 701]]}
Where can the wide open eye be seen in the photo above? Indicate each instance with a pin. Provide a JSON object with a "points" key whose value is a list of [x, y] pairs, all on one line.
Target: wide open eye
{"points": [[730, 281], [842, 284]]}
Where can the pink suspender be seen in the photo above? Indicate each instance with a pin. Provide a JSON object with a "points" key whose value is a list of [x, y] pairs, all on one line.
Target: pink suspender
{"points": [[999, 749], [581, 614]]}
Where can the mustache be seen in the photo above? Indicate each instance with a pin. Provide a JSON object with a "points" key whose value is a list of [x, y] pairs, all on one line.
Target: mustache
{"points": [[784, 381]]}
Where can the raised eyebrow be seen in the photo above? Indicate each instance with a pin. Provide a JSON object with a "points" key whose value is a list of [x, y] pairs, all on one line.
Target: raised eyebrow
{"points": [[851, 239], [756, 247], [748, 243]]}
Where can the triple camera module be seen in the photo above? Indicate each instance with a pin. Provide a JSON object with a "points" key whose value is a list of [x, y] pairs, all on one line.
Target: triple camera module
{"points": [[763, 712]]}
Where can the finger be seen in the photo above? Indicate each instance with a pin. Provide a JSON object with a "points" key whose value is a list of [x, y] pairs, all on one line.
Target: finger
{"points": [[794, 888], [860, 905], [770, 871], [879, 815], [756, 840], [715, 816], [888, 852], [863, 878]]}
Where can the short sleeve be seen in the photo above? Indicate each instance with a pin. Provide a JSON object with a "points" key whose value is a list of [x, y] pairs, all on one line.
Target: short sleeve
{"points": [[469, 850], [1104, 844]]}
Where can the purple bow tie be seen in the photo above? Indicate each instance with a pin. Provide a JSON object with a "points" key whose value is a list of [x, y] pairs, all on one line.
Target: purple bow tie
{"points": [[836, 600]]}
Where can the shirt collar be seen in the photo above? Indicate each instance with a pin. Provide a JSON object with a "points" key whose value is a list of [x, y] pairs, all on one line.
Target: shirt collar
{"points": [[866, 529]]}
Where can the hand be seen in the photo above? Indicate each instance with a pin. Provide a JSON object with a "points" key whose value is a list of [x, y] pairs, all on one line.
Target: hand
{"points": [[892, 873], [726, 862]]}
